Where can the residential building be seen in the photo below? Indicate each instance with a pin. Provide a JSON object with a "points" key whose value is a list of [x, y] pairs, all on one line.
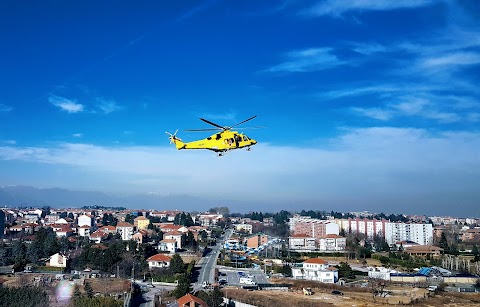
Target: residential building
{"points": [[416, 232], [244, 227], [256, 240], [85, 220], [209, 219], [316, 269], [471, 235], [174, 235], [141, 222], [138, 237], [371, 228], [301, 242], [98, 236], [83, 231], [64, 231], [332, 243], [313, 227], [51, 219], [125, 230], [168, 245], [159, 261], [58, 260], [424, 251], [189, 300]]}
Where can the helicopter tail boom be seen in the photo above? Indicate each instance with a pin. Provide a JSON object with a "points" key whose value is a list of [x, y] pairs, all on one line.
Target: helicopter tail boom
{"points": [[175, 140]]}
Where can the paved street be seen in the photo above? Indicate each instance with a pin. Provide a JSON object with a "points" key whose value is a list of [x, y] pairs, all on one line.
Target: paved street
{"points": [[208, 263]]}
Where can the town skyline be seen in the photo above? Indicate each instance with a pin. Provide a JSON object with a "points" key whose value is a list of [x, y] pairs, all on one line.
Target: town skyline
{"points": [[73, 199]]}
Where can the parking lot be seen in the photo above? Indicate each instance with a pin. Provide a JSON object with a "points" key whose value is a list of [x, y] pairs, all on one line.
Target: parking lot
{"points": [[233, 276]]}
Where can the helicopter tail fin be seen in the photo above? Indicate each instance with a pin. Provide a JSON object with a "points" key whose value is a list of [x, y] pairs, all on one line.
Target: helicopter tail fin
{"points": [[175, 140]]}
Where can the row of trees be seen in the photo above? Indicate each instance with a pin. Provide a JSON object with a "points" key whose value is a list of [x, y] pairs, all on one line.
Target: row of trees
{"points": [[42, 246]]}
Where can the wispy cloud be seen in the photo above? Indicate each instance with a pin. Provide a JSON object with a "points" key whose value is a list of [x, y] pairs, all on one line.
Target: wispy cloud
{"points": [[307, 60], [338, 7], [375, 113], [448, 61], [107, 106], [65, 104], [77, 135], [440, 109], [5, 108], [9, 142]]}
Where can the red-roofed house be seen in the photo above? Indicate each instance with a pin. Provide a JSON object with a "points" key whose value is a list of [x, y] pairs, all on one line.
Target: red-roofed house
{"points": [[316, 269], [98, 236], [167, 227], [108, 229], [189, 300], [65, 231], [159, 261]]}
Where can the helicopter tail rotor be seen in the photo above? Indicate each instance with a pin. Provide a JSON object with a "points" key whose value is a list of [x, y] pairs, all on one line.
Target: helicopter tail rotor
{"points": [[174, 139]]}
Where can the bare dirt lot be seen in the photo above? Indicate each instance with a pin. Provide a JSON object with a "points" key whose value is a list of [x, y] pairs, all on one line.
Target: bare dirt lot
{"points": [[352, 297]]}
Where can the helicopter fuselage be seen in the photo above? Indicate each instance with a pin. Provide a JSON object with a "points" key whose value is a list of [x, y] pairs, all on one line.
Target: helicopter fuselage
{"points": [[218, 142]]}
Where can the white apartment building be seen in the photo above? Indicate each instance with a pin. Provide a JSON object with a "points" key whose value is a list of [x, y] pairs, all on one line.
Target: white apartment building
{"points": [[301, 242], [332, 243], [125, 230], [370, 228], [85, 220], [418, 233], [316, 269]]}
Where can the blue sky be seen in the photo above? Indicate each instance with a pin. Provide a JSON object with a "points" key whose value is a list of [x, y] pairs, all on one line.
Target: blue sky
{"points": [[368, 104]]}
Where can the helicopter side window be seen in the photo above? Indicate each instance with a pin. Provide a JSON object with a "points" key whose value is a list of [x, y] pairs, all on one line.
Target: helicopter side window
{"points": [[245, 138]]}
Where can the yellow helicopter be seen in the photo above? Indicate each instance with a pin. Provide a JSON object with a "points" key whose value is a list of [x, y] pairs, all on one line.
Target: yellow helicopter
{"points": [[220, 142]]}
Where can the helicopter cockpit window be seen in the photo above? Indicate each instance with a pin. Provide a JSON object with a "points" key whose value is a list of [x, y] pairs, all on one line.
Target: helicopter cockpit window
{"points": [[245, 138]]}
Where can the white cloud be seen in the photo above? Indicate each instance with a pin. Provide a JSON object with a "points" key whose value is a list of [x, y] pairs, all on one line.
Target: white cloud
{"points": [[307, 60], [450, 60], [5, 108], [368, 163], [107, 106], [375, 113], [338, 7], [9, 142], [65, 104], [77, 135]]}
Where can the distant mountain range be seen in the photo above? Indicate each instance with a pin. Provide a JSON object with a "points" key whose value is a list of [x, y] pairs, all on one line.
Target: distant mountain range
{"points": [[14, 196]]}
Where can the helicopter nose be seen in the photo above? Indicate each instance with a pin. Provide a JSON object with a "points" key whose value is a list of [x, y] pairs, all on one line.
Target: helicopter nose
{"points": [[254, 142]]}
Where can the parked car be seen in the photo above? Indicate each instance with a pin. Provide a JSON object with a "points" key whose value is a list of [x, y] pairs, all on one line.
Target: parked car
{"points": [[336, 292]]}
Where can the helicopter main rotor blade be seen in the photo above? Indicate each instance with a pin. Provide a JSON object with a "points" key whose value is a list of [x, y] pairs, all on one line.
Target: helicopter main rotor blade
{"points": [[198, 130], [241, 122], [213, 124]]}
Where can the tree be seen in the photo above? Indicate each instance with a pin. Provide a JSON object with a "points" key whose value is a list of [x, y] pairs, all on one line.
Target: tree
{"points": [[443, 242], [88, 289], [345, 271], [476, 253], [183, 287], [377, 287], [176, 264]]}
